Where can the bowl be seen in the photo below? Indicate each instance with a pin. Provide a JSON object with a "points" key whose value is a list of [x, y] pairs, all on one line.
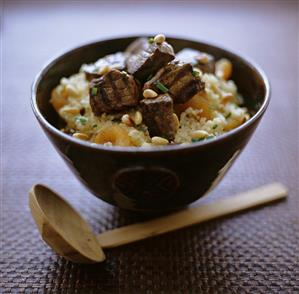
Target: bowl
{"points": [[149, 179]]}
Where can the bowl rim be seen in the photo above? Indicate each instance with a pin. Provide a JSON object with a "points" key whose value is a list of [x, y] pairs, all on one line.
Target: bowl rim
{"points": [[152, 149]]}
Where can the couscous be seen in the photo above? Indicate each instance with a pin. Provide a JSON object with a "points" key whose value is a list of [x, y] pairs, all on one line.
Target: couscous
{"points": [[148, 96]]}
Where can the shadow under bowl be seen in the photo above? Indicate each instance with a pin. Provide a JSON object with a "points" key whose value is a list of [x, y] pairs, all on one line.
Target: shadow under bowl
{"points": [[160, 178]]}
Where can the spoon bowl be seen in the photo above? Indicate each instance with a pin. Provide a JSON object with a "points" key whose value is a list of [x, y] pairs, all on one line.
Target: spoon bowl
{"points": [[62, 227]]}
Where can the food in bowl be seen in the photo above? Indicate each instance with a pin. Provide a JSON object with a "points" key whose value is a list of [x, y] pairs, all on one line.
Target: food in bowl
{"points": [[149, 179], [149, 96]]}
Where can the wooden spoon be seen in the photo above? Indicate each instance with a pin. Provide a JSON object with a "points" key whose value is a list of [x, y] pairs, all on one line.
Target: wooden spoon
{"points": [[67, 233]]}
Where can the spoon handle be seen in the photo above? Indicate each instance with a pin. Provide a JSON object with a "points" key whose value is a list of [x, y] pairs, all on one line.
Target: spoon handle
{"points": [[191, 216]]}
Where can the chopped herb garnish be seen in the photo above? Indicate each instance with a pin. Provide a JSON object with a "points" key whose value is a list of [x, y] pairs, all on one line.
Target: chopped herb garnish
{"points": [[195, 73], [149, 77], [161, 87], [151, 40], [214, 127], [228, 115], [95, 69], [94, 91], [202, 139], [197, 140], [81, 119], [94, 126]]}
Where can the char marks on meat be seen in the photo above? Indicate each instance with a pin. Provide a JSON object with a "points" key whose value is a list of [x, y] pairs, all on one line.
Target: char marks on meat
{"points": [[178, 78], [205, 62], [157, 114], [147, 58], [112, 61], [115, 91]]}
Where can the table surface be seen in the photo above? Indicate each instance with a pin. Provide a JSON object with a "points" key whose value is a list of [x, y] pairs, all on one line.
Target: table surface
{"points": [[252, 252]]}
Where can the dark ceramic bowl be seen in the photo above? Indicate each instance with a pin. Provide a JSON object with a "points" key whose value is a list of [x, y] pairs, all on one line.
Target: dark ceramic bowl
{"points": [[161, 178]]}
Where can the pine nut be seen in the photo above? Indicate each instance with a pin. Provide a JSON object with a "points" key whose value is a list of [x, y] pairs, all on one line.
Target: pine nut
{"points": [[199, 134], [137, 118], [70, 110], [104, 70], [125, 119], [149, 94], [159, 141], [81, 136], [176, 121], [160, 38], [203, 58]]}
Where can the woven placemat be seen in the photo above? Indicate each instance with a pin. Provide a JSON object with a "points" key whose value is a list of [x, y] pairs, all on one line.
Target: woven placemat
{"points": [[252, 252]]}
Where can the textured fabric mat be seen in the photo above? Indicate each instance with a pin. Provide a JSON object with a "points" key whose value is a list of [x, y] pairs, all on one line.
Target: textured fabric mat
{"points": [[252, 252]]}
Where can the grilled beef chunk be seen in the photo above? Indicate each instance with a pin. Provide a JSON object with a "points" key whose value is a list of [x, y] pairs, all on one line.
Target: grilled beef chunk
{"points": [[112, 92], [146, 58], [157, 114], [113, 61], [205, 62], [178, 78]]}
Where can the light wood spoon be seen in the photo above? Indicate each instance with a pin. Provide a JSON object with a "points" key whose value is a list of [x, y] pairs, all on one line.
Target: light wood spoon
{"points": [[67, 233]]}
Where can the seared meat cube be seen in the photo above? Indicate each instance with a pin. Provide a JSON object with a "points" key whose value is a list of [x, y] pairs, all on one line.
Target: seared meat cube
{"points": [[148, 58], [178, 79], [113, 92], [157, 114], [205, 62], [100, 67]]}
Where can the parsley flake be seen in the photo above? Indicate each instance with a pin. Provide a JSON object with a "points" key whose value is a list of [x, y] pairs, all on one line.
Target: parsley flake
{"points": [[149, 77], [161, 87], [228, 115], [94, 91], [151, 40], [197, 140], [195, 73], [81, 119]]}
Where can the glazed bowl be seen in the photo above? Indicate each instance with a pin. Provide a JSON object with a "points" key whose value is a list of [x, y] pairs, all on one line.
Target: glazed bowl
{"points": [[149, 179]]}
